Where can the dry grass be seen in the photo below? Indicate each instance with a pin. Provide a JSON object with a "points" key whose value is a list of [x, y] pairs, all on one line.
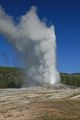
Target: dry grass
{"points": [[62, 110], [40, 104]]}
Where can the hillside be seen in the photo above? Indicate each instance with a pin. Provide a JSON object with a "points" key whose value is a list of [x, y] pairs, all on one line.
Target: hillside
{"points": [[11, 77], [70, 79]]}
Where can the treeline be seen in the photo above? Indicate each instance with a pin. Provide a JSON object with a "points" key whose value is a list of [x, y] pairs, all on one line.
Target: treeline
{"points": [[11, 77], [70, 79]]}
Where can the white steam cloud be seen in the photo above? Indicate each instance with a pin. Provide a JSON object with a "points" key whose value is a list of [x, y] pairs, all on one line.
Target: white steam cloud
{"points": [[36, 41]]}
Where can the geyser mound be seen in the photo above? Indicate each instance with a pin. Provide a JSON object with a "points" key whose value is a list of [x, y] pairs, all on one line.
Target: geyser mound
{"points": [[36, 41]]}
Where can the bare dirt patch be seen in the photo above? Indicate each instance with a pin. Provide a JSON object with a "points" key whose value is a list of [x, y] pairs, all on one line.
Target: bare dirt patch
{"points": [[40, 104]]}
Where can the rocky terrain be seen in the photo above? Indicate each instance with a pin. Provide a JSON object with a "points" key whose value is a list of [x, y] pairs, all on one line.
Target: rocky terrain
{"points": [[38, 103]]}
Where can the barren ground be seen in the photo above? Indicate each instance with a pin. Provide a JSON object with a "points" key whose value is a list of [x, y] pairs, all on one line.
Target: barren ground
{"points": [[40, 104]]}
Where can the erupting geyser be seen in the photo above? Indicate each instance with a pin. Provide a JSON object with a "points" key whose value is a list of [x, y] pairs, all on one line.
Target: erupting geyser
{"points": [[36, 41]]}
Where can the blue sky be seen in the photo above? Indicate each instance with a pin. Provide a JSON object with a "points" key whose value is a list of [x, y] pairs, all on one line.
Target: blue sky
{"points": [[64, 14]]}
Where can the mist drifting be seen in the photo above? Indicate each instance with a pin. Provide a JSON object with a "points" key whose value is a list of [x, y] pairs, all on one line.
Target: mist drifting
{"points": [[36, 41]]}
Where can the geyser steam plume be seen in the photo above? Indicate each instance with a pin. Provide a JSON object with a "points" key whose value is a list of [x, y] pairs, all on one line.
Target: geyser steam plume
{"points": [[36, 41]]}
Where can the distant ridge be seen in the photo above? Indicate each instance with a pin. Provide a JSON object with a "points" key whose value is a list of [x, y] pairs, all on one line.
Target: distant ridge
{"points": [[13, 77]]}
